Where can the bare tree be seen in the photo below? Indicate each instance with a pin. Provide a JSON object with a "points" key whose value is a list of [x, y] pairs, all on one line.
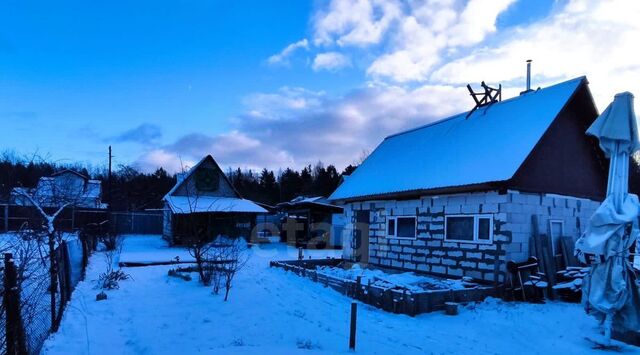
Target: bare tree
{"points": [[233, 257], [50, 198], [199, 242]]}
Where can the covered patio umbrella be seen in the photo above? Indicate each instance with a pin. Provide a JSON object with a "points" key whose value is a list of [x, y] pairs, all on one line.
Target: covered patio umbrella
{"points": [[610, 291]]}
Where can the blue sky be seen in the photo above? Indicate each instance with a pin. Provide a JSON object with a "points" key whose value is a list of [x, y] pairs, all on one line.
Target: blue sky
{"points": [[171, 81]]}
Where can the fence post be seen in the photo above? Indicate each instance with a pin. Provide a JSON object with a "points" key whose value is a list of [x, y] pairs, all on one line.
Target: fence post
{"points": [[6, 218], [66, 268], [53, 284], [352, 328], [14, 331]]}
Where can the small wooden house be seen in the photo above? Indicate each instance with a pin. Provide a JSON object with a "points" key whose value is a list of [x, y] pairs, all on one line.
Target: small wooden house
{"points": [[461, 196], [204, 204]]}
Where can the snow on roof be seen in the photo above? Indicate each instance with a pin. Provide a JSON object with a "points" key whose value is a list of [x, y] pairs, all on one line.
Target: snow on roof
{"points": [[186, 205], [488, 146]]}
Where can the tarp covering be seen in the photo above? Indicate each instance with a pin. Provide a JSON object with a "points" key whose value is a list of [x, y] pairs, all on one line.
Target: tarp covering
{"points": [[611, 286], [610, 291], [617, 125]]}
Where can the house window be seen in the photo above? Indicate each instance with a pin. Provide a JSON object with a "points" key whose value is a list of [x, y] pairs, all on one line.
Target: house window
{"points": [[401, 227], [469, 228]]}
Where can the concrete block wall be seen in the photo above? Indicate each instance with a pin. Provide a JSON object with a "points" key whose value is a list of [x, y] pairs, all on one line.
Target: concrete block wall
{"points": [[429, 252]]}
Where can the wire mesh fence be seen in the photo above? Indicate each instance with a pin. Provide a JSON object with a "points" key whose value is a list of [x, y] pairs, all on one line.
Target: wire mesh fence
{"points": [[40, 310], [3, 315]]}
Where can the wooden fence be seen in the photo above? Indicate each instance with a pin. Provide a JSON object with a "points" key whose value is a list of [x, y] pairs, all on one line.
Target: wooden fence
{"points": [[391, 300]]}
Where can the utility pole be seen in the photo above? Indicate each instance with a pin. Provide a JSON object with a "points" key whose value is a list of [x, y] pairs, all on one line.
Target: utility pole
{"points": [[109, 179]]}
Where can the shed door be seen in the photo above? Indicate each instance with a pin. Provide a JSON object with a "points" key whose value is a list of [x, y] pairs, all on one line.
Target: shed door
{"points": [[360, 243]]}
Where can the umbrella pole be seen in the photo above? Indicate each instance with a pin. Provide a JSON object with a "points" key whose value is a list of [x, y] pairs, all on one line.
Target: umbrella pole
{"points": [[608, 324]]}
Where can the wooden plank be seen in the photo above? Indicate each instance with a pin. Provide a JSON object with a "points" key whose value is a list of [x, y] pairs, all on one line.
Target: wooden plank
{"points": [[568, 247]]}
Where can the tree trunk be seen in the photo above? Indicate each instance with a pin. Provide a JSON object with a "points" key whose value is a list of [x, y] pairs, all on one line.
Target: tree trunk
{"points": [[53, 280]]}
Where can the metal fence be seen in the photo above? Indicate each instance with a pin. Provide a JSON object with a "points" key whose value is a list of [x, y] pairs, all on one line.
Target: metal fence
{"points": [[13, 217], [147, 222], [31, 311]]}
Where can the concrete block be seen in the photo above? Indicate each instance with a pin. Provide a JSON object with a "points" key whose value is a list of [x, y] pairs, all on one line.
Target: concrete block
{"points": [[433, 260], [468, 264], [436, 269], [454, 271], [396, 263], [449, 262], [470, 208], [438, 253], [533, 199], [494, 197], [409, 265], [423, 267], [455, 253], [456, 199], [470, 255], [452, 209], [475, 199], [473, 273], [490, 208], [485, 266], [468, 246]]}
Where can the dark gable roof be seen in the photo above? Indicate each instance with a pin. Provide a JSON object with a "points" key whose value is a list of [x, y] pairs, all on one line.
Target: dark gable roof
{"points": [[488, 147], [192, 170]]}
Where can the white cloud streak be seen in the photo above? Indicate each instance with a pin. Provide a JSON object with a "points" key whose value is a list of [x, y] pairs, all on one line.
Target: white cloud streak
{"points": [[288, 51]]}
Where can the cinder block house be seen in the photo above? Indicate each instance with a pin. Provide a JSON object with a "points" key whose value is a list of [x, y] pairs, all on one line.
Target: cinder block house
{"points": [[204, 204], [456, 197]]}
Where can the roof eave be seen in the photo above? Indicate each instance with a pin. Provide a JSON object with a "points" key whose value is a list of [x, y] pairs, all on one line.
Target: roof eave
{"points": [[408, 194]]}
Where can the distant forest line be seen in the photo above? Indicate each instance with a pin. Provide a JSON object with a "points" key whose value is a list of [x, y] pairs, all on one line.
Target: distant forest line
{"points": [[133, 190]]}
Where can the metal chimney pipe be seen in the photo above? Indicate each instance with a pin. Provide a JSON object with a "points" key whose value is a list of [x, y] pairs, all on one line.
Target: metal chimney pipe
{"points": [[529, 74]]}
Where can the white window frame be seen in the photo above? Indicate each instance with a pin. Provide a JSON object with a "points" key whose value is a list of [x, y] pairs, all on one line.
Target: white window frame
{"points": [[395, 231], [551, 236], [476, 218]]}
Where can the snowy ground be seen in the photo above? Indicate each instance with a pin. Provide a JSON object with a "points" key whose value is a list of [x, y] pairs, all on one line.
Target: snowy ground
{"points": [[277, 312]]}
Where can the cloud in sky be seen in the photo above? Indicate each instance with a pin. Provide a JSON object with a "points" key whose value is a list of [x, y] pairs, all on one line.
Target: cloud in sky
{"points": [[330, 61], [418, 56], [283, 56], [145, 133]]}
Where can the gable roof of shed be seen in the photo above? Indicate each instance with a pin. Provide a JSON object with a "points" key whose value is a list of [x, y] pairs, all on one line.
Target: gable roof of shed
{"points": [[193, 169], [489, 146], [185, 205]]}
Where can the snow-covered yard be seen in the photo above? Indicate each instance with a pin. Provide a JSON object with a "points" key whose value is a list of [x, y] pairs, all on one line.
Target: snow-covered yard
{"points": [[272, 311]]}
